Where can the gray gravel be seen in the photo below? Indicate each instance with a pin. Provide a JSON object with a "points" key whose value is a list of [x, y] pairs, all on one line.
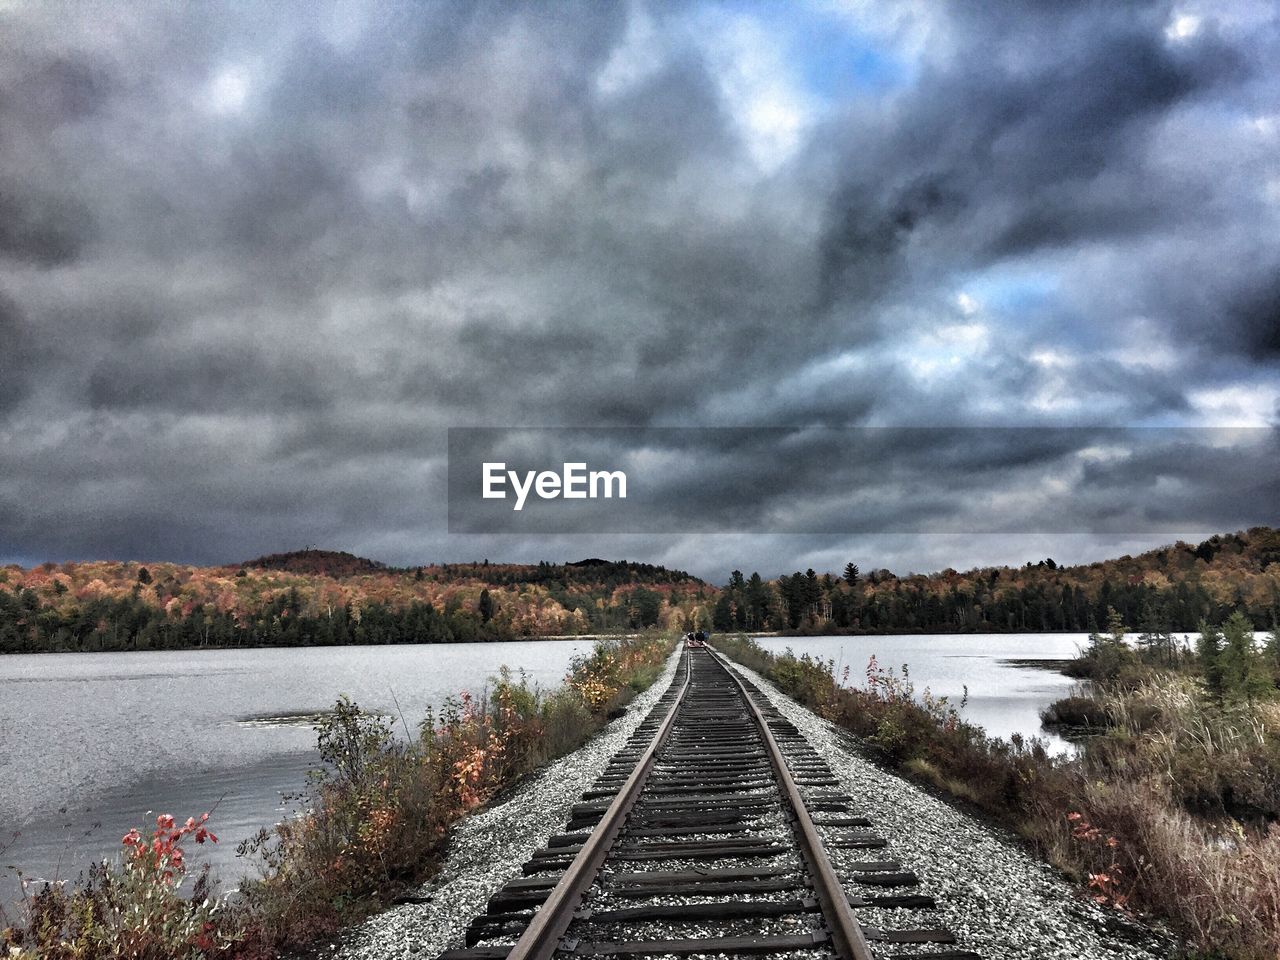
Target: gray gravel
{"points": [[489, 848], [999, 900]]}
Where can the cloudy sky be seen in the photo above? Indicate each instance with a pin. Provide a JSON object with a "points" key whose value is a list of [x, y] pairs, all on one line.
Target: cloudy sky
{"points": [[255, 259]]}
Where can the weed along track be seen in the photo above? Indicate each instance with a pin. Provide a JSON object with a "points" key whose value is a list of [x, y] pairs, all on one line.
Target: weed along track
{"points": [[716, 830]]}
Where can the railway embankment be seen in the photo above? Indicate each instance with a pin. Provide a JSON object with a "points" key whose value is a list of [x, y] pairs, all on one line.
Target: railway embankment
{"points": [[488, 847], [983, 886]]}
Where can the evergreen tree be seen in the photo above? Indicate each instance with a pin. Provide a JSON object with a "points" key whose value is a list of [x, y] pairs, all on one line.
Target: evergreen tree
{"points": [[722, 617], [1243, 674], [851, 574], [1108, 652], [645, 606], [1209, 652], [758, 609], [811, 594], [792, 590], [1271, 653]]}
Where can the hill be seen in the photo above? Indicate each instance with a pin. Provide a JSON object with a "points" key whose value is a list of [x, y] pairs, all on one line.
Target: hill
{"points": [[317, 597], [1172, 587], [329, 563]]}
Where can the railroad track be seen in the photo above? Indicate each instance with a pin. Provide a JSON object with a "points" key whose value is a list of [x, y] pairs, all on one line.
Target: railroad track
{"points": [[713, 831]]}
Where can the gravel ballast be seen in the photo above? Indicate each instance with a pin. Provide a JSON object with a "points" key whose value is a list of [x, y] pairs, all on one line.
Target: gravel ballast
{"points": [[998, 899], [489, 847]]}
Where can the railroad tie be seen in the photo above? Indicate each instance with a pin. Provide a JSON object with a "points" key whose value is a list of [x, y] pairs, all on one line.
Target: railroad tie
{"points": [[712, 831]]}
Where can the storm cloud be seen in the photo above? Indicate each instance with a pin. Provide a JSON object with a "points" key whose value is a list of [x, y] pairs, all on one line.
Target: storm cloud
{"points": [[256, 259]]}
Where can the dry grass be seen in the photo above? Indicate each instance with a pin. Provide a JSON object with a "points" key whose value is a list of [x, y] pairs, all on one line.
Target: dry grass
{"points": [[1220, 883]]}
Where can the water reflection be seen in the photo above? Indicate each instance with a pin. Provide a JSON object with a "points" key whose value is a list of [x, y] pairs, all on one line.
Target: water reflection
{"points": [[92, 744], [1009, 678]]}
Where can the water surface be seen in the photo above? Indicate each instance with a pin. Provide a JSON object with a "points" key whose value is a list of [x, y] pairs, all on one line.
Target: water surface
{"points": [[92, 744], [1003, 699]]}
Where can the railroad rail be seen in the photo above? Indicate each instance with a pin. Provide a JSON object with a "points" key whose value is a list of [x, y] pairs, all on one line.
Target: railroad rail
{"points": [[716, 830]]}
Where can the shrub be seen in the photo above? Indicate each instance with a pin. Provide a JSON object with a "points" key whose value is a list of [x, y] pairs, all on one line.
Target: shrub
{"points": [[1075, 711], [128, 908]]}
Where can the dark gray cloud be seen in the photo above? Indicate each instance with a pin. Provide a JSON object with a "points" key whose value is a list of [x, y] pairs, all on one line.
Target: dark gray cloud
{"points": [[44, 230], [1255, 311], [17, 358], [255, 259], [874, 480]]}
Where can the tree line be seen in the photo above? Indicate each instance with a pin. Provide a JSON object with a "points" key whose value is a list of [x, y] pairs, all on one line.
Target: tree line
{"points": [[1173, 588], [132, 623]]}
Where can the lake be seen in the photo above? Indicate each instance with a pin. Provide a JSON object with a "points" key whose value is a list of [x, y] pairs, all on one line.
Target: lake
{"points": [[92, 744], [1003, 699]]}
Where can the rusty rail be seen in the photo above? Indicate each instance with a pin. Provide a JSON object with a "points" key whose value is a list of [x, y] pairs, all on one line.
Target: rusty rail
{"points": [[542, 937]]}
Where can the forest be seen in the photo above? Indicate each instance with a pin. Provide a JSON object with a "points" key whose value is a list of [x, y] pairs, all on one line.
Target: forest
{"points": [[318, 597], [1171, 588]]}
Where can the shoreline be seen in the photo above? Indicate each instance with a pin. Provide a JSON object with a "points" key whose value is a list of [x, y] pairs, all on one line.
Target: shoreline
{"points": [[215, 648]]}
